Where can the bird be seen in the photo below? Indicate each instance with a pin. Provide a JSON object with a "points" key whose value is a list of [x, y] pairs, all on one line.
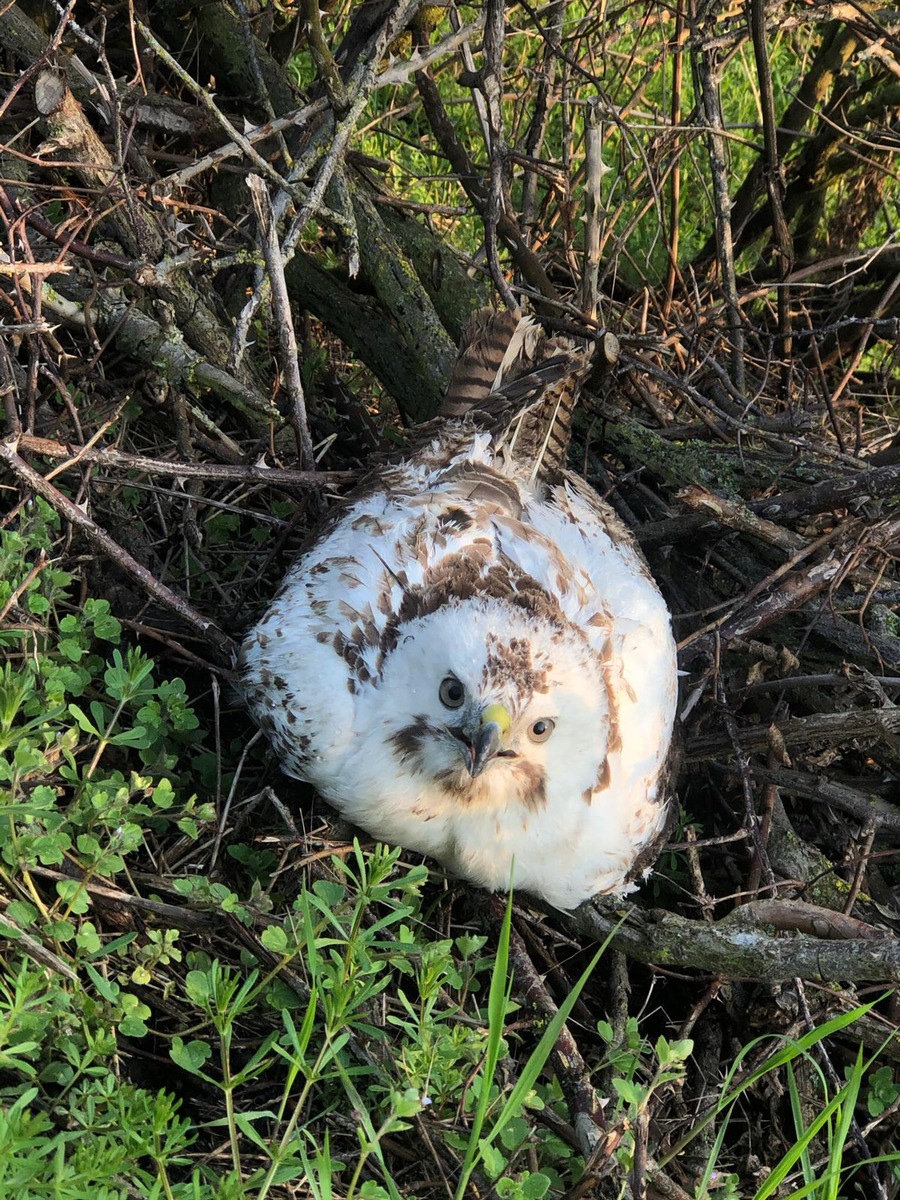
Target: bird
{"points": [[471, 659]]}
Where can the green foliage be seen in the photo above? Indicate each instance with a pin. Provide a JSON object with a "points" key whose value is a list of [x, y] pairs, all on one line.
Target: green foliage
{"points": [[883, 1091], [640, 1073], [823, 1175], [631, 61], [321, 1038], [121, 1141], [91, 755]]}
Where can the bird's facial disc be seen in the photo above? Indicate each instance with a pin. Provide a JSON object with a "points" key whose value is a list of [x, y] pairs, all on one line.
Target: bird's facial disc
{"points": [[489, 719], [485, 731]]}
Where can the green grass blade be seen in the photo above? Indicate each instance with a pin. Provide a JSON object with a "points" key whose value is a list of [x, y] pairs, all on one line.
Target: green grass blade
{"points": [[497, 1001], [538, 1057], [533, 1067], [797, 1114]]}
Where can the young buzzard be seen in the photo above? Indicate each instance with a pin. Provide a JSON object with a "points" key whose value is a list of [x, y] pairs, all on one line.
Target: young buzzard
{"points": [[472, 660]]}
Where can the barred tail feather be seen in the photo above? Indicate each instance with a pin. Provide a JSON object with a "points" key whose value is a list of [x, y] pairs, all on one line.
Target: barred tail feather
{"points": [[536, 412], [520, 386], [492, 348]]}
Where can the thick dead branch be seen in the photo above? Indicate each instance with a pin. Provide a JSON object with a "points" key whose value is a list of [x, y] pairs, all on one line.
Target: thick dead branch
{"points": [[147, 341], [794, 593], [136, 229], [741, 947], [740, 517], [869, 726], [430, 352], [849, 490], [849, 800]]}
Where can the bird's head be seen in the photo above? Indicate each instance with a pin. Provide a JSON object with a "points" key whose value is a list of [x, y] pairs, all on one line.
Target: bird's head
{"points": [[488, 705]]}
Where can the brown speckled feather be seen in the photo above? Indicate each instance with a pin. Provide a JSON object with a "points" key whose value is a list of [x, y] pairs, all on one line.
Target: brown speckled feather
{"points": [[521, 387]]}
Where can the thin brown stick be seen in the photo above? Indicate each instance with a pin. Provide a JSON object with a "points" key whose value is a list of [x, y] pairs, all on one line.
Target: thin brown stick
{"points": [[761, 863], [292, 120], [14, 595], [571, 1069], [774, 183], [537, 128], [470, 178], [708, 71], [673, 273], [491, 88], [284, 321], [875, 1187], [326, 67], [218, 472], [218, 640], [866, 841], [593, 198]]}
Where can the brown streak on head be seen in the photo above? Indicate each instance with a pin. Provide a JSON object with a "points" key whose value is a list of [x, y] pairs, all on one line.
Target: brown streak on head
{"points": [[512, 663]]}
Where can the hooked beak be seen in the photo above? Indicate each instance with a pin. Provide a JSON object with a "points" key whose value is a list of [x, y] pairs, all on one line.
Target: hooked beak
{"points": [[488, 738]]}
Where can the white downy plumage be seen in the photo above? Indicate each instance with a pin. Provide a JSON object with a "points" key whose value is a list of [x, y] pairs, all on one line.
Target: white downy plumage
{"points": [[473, 661]]}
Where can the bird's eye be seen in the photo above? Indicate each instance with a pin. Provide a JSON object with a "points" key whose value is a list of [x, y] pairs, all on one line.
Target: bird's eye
{"points": [[452, 693], [541, 730]]}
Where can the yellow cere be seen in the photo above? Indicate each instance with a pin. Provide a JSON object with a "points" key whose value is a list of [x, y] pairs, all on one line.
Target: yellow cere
{"points": [[499, 714]]}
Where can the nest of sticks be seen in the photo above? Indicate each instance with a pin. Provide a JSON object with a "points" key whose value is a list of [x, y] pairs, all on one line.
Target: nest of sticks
{"points": [[189, 427]]}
